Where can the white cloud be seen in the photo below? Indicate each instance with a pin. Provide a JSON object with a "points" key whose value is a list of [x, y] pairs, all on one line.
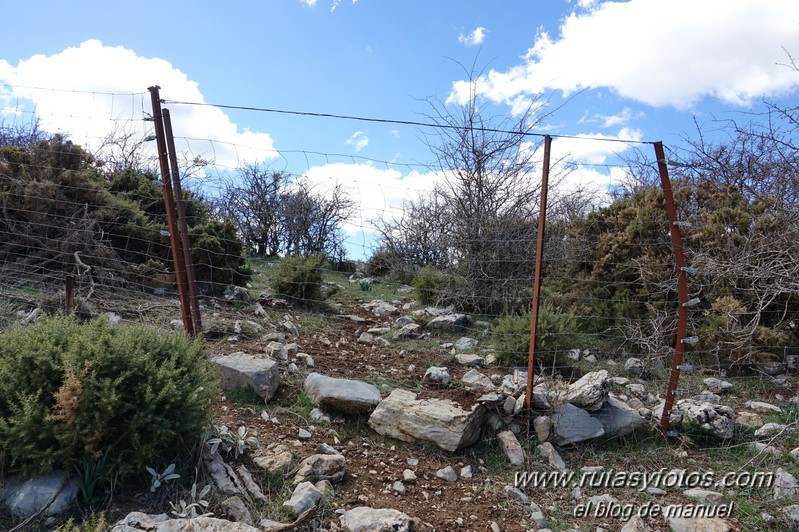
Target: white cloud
{"points": [[359, 140], [661, 53], [92, 88], [477, 36], [377, 192], [309, 3]]}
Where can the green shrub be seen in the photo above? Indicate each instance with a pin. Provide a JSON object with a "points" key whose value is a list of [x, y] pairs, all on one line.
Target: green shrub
{"points": [[557, 333], [72, 393], [383, 263], [300, 278], [429, 284]]}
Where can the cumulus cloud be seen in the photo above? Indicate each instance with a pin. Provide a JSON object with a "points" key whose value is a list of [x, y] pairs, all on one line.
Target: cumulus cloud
{"points": [[90, 90], [377, 192], [359, 140], [660, 53], [477, 36]]}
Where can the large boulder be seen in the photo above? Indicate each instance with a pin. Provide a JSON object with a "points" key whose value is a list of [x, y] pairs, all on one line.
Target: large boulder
{"points": [[590, 391], [240, 370], [573, 425], [618, 418], [342, 395], [440, 421], [52, 493]]}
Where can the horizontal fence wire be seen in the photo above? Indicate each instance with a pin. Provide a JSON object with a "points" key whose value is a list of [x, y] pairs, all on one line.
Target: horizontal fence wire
{"points": [[92, 208]]}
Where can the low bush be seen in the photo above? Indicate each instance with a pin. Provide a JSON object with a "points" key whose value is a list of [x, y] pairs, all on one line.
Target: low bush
{"points": [[557, 333], [429, 283], [74, 393], [300, 278]]}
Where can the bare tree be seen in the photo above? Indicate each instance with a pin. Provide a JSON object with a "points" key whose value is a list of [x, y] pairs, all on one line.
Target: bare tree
{"points": [[276, 213]]}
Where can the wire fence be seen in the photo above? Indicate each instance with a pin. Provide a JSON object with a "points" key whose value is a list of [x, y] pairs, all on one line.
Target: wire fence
{"points": [[86, 211]]}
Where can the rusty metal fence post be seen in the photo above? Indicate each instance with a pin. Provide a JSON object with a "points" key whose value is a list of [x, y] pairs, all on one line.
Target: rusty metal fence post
{"points": [[682, 287], [539, 260], [169, 203]]}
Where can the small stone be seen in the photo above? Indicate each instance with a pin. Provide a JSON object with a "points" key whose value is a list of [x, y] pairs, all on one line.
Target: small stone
{"points": [[516, 494], [447, 473], [398, 487], [304, 434], [408, 476], [466, 472]]}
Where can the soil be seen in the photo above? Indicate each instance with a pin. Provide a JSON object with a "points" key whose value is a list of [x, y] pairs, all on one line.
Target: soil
{"points": [[374, 462]]}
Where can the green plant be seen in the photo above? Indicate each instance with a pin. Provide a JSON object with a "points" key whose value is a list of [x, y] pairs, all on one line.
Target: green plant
{"points": [[557, 332], [365, 286], [428, 282], [300, 278], [89, 475], [159, 478], [194, 507], [244, 395], [71, 392], [95, 523], [220, 438]]}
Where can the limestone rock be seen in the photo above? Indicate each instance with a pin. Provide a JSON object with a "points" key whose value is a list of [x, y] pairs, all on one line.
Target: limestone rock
{"points": [[304, 498], [573, 425], [28, 497], [590, 391], [437, 375], [276, 457], [618, 419], [473, 379], [553, 457], [140, 522], [343, 395], [439, 421], [512, 447], [321, 467], [464, 343], [241, 369], [449, 323], [365, 519], [469, 361], [408, 331]]}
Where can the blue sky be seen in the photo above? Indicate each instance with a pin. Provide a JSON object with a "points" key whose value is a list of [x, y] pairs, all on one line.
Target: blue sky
{"points": [[636, 70]]}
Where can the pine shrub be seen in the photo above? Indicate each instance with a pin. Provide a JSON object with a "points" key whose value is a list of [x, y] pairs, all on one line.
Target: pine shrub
{"points": [[299, 279], [71, 393], [557, 333]]}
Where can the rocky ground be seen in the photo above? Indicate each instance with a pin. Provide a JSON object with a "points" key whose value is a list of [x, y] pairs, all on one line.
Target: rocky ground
{"points": [[377, 411]]}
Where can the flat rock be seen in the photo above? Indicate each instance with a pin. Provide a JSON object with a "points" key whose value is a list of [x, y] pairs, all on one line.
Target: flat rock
{"points": [[573, 425], [554, 459], [321, 467], [469, 360], [465, 342], [365, 519], [276, 457], [618, 418], [141, 522], [409, 331], [449, 323], [343, 395], [440, 421], [682, 524], [512, 447], [28, 497], [473, 379], [239, 370]]}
